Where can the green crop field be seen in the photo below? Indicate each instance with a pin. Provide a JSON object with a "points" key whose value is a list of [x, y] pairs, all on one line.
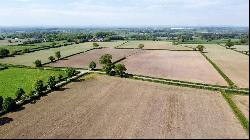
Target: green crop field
{"points": [[13, 78]]}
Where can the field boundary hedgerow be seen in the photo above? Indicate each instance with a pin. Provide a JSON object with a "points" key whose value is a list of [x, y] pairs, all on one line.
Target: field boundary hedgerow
{"points": [[229, 81], [239, 115], [117, 47], [72, 55], [190, 84]]}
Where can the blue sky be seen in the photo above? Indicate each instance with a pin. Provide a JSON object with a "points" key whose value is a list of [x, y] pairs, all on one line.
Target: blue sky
{"points": [[124, 12]]}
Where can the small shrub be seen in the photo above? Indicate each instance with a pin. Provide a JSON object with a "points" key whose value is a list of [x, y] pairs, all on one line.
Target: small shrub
{"points": [[120, 69], [31, 93], [26, 50], [71, 72], [8, 104], [141, 46], [60, 77], [95, 45], [92, 65], [52, 82], [58, 54], [4, 52], [51, 58], [38, 63], [38, 86], [19, 93], [14, 52]]}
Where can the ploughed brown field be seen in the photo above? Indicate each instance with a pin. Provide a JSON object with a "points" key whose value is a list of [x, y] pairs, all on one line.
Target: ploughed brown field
{"points": [[109, 107], [234, 64], [243, 104], [181, 65], [83, 60]]}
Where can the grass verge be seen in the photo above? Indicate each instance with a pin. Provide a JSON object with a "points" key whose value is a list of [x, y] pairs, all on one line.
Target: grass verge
{"points": [[244, 122]]}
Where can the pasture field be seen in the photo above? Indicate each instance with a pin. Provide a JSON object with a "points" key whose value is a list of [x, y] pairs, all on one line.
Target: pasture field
{"points": [[243, 104], [241, 47], [29, 58], [83, 60], [111, 44], [110, 107], [33, 46], [154, 45], [235, 65], [6, 42], [179, 65], [13, 78], [18, 48]]}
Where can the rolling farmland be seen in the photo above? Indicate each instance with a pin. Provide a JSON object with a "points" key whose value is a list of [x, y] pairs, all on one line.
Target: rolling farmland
{"points": [[122, 108]]}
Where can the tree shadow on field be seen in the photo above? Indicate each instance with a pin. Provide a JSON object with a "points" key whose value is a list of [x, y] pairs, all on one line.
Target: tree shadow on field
{"points": [[5, 120], [61, 89], [78, 80], [64, 59], [18, 108]]}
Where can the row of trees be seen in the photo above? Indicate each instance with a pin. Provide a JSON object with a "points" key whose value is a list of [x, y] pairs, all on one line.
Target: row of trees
{"points": [[38, 63], [9, 104]]}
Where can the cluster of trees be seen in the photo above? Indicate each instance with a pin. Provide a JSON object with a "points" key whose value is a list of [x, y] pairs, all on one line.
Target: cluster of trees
{"points": [[229, 44], [199, 48], [108, 66]]}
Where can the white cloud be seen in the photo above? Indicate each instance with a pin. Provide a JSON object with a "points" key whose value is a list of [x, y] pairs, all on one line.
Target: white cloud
{"points": [[163, 12]]}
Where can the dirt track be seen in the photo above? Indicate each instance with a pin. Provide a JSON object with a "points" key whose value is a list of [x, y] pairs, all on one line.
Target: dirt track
{"points": [[106, 107]]}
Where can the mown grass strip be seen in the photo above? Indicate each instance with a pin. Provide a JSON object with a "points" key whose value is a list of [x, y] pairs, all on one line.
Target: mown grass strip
{"points": [[244, 122], [229, 81]]}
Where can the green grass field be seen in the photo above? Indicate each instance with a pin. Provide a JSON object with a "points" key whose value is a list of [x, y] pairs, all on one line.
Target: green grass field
{"points": [[13, 78], [34, 46]]}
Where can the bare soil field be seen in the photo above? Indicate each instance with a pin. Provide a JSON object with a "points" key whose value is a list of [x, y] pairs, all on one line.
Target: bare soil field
{"points": [[106, 44], [235, 65], [182, 65], [109, 107], [243, 104], [154, 45], [83, 60]]}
